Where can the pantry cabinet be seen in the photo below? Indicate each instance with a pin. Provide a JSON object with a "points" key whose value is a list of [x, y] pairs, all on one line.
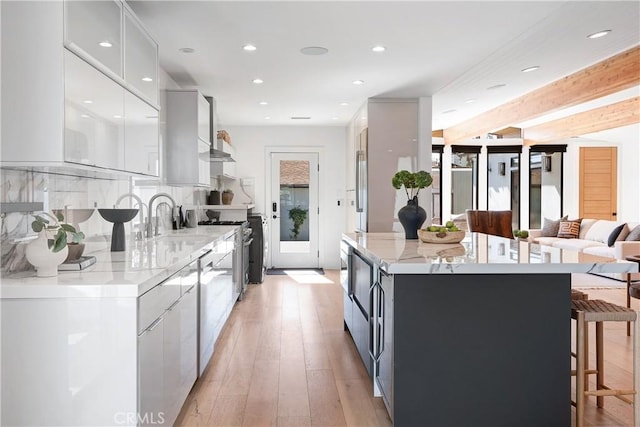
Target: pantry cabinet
{"points": [[188, 143], [89, 119]]}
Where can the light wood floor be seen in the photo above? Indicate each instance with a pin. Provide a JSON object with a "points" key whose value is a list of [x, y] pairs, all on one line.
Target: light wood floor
{"points": [[283, 359]]}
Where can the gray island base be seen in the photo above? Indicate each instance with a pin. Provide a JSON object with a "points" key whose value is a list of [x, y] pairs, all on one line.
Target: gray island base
{"points": [[483, 350], [475, 334]]}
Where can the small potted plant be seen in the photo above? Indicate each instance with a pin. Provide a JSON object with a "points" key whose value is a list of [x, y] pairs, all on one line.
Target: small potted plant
{"points": [[411, 216], [50, 249], [227, 196]]}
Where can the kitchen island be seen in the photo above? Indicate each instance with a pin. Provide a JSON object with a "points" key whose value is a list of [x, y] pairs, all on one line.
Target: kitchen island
{"points": [[122, 342], [476, 333]]}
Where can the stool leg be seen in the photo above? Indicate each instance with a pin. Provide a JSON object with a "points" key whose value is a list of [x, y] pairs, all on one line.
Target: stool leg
{"points": [[628, 302], [580, 381], [586, 356], [599, 363], [636, 370]]}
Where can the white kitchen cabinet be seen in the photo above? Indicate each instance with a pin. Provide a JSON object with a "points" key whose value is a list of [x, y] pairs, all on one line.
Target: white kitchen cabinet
{"points": [[167, 348], [150, 371], [141, 135], [94, 116], [63, 110], [187, 151], [93, 29], [140, 59], [179, 354]]}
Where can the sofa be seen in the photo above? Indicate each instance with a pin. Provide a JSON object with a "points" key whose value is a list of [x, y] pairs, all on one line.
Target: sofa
{"points": [[593, 239]]}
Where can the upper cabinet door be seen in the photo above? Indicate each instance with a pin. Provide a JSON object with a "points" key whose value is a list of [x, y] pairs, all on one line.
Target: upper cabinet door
{"points": [[140, 59], [204, 114], [140, 136], [93, 29], [94, 116]]}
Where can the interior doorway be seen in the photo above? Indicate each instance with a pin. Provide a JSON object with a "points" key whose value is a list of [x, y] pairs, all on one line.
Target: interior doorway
{"points": [[599, 183], [294, 210]]}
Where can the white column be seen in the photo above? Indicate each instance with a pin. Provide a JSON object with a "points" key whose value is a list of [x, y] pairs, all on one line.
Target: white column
{"points": [[424, 150]]}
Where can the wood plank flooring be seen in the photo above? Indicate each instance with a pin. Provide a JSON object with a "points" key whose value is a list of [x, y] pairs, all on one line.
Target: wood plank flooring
{"points": [[283, 359]]}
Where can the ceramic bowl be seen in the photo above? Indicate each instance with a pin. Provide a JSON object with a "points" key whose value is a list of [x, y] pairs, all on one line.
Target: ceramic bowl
{"points": [[433, 236], [118, 215]]}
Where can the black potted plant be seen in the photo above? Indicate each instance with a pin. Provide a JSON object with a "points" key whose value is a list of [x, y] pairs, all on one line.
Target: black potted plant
{"points": [[411, 216]]}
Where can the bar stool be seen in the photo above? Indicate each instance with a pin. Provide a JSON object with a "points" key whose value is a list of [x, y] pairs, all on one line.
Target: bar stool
{"points": [[578, 295], [635, 294], [598, 311]]}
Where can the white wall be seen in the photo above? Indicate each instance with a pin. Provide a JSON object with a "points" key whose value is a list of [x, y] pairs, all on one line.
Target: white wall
{"points": [[252, 142]]}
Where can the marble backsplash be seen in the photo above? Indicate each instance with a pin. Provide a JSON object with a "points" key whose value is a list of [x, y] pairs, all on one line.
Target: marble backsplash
{"points": [[58, 191]]}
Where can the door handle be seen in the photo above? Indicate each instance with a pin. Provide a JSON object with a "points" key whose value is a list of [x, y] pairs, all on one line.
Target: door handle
{"points": [[275, 217], [274, 207]]}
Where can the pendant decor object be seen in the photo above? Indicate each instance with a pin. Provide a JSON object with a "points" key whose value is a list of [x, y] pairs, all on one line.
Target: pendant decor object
{"points": [[42, 258], [412, 216]]}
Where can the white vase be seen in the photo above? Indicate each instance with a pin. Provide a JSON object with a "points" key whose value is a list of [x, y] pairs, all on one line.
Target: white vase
{"points": [[42, 258]]}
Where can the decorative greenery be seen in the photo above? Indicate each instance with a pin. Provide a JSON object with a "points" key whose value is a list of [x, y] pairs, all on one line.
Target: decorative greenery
{"points": [[411, 181], [298, 216], [523, 234], [59, 229]]}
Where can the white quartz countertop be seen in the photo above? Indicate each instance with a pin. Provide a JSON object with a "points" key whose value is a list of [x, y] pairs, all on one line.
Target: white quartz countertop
{"points": [[130, 273], [477, 254]]}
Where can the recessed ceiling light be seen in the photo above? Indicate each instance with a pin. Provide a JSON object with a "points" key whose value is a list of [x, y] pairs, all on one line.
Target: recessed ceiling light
{"points": [[105, 44], [147, 79], [84, 116], [263, 103], [186, 50], [87, 101], [529, 69], [314, 50], [598, 34], [453, 110], [344, 104], [117, 116], [470, 101], [258, 81], [267, 118], [300, 118], [378, 48], [358, 82], [249, 47], [496, 86], [334, 118]]}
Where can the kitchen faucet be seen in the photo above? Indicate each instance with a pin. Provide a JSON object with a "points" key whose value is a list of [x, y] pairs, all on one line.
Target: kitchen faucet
{"points": [[141, 205], [150, 210], [155, 233]]}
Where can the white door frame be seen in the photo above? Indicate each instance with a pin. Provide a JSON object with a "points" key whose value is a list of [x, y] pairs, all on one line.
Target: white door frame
{"points": [[269, 197]]}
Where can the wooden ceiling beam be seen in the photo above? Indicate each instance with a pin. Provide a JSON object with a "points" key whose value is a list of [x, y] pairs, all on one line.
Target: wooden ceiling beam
{"points": [[612, 75], [611, 116]]}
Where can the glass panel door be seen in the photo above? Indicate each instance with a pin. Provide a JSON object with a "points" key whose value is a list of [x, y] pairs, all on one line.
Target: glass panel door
{"points": [[295, 209]]}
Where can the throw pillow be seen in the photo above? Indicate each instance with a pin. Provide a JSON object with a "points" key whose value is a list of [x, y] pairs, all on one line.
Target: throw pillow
{"points": [[634, 236], [615, 233], [550, 227], [569, 229]]}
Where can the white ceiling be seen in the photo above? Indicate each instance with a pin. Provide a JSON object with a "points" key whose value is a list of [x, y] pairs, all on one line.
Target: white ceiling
{"points": [[452, 50]]}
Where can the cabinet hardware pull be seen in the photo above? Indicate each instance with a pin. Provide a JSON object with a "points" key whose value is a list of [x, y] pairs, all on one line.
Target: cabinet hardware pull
{"points": [[154, 324]]}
